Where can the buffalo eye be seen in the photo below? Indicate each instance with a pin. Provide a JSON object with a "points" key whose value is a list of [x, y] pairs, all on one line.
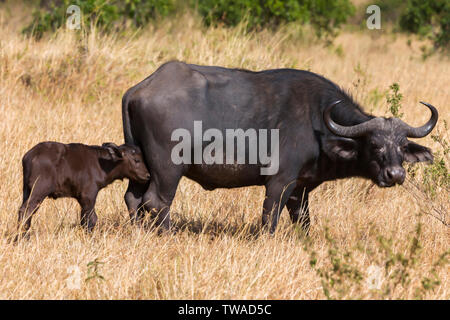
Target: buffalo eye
{"points": [[377, 148], [404, 148]]}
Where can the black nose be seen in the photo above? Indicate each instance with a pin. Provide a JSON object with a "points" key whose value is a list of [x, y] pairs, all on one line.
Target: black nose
{"points": [[395, 174]]}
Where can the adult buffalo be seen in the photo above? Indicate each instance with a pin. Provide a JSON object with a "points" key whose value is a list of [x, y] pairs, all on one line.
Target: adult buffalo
{"points": [[323, 135]]}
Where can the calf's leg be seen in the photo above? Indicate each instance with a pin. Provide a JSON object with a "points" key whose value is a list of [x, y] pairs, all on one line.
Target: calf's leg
{"points": [[88, 215], [30, 204]]}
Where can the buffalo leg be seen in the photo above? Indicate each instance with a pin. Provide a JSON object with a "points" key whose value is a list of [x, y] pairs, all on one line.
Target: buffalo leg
{"points": [[277, 194], [133, 199], [30, 205], [298, 208], [88, 216], [160, 193]]}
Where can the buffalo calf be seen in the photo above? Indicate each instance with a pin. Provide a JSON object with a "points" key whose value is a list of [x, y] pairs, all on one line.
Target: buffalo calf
{"points": [[55, 170]]}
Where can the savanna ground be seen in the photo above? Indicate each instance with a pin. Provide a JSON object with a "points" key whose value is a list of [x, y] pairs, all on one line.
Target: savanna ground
{"points": [[68, 88]]}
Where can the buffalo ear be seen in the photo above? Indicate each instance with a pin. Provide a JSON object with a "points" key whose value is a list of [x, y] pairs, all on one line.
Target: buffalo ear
{"points": [[114, 152], [340, 148], [416, 153]]}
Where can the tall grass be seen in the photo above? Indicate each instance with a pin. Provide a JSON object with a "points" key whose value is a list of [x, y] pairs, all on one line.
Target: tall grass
{"points": [[68, 88]]}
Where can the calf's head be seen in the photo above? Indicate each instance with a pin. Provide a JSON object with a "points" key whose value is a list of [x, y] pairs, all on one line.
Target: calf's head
{"points": [[129, 160], [382, 145]]}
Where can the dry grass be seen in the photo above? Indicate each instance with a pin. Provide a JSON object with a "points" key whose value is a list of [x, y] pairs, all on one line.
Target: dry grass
{"points": [[68, 90]]}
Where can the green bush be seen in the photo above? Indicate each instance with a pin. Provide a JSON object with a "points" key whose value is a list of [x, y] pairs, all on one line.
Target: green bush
{"points": [[142, 11], [427, 181], [424, 17], [256, 13], [428, 17], [324, 15], [391, 10], [328, 15], [399, 269], [106, 14]]}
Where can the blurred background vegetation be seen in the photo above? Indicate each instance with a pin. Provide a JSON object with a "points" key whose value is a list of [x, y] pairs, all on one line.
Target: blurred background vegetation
{"points": [[426, 18]]}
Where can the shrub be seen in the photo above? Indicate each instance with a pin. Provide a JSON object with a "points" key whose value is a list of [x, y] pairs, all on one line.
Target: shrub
{"points": [[142, 11], [325, 15], [328, 15], [394, 99], [424, 17], [426, 181], [255, 13], [391, 10], [428, 17], [101, 13], [395, 268]]}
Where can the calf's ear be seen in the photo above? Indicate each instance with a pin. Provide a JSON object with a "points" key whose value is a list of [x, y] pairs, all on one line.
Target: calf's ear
{"points": [[113, 149], [340, 148], [416, 153]]}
